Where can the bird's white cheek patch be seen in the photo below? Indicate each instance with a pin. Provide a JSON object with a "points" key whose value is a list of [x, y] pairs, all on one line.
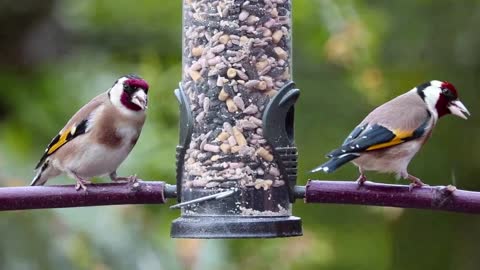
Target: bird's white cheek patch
{"points": [[432, 95]]}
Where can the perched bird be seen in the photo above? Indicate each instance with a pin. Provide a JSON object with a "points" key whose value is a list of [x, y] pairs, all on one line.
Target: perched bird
{"points": [[98, 138], [390, 136]]}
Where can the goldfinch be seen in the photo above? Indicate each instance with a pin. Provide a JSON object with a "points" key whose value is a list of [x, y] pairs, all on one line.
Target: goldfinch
{"points": [[98, 138], [390, 136]]}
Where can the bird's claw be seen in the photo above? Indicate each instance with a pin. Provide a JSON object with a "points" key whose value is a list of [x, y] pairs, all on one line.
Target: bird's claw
{"points": [[416, 184], [82, 184], [132, 179], [129, 179], [361, 180]]}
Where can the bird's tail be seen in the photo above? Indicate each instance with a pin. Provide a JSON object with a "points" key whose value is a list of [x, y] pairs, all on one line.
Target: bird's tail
{"points": [[41, 177], [335, 162]]}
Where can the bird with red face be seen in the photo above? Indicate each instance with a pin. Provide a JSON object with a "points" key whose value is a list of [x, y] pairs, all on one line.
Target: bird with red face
{"points": [[390, 136], [98, 138]]}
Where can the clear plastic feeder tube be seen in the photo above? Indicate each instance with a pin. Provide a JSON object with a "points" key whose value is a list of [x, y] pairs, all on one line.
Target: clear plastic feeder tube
{"points": [[236, 59]]}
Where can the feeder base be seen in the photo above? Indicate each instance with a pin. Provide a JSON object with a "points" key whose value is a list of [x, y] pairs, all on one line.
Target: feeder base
{"points": [[208, 227]]}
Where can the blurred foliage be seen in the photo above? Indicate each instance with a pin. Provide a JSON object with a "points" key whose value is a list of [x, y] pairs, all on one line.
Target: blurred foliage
{"points": [[349, 57]]}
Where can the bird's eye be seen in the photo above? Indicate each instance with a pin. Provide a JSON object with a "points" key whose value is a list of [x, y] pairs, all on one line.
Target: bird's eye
{"points": [[128, 88], [448, 94]]}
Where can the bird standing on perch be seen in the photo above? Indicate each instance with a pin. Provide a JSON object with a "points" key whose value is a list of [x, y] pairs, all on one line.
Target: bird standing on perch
{"points": [[390, 136], [98, 138]]}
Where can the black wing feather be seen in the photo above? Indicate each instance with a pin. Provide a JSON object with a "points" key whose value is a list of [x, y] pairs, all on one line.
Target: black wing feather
{"points": [[354, 134], [373, 135], [363, 138], [80, 129]]}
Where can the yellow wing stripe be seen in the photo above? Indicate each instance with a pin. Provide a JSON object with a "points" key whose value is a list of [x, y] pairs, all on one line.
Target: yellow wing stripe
{"points": [[62, 140], [400, 136]]}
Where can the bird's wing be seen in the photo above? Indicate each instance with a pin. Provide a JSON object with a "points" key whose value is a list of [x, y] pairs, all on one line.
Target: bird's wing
{"points": [[390, 124], [378, 137], [79, 124], [354, 134]]}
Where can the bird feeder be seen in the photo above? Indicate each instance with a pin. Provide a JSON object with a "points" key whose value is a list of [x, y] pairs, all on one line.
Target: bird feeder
{"points": [[236, 159]]}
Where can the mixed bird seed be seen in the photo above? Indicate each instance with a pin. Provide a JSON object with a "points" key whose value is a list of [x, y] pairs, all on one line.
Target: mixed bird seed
{"points": [[236, 57]]}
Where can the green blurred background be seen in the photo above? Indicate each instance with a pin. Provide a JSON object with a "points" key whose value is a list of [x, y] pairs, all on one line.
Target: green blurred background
{"points": [[349, 56]]}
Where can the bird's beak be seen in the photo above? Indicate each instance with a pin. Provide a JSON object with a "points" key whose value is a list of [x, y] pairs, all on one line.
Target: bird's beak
{"points": [[140, 98], [457, 108]]}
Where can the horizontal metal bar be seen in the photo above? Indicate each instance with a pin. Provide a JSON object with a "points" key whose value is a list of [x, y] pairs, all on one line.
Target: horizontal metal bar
{"points": [[60, 196], [445, 198], [216, 196]]}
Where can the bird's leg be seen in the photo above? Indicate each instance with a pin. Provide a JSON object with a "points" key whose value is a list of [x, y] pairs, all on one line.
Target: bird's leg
{"points": [[416, 182], [81, 183], [129, 179], [362, 178]]}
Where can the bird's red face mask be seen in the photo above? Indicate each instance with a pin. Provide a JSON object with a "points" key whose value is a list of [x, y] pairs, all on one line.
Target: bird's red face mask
{"points": [[134, 95], [448, 102]]}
